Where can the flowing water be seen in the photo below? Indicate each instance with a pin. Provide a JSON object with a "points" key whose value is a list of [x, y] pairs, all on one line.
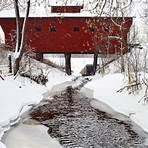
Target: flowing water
{"points": [[71, 119]]}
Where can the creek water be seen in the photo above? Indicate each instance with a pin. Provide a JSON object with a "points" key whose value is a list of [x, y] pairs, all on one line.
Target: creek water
{"points": [[70, 119]]}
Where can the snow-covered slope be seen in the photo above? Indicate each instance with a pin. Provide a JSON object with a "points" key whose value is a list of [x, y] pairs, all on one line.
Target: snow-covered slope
{"points": [[105, 89], [17, 95]]}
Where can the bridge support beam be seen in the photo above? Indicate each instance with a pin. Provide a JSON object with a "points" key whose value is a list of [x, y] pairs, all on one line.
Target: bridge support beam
{"points": [[68, 63], [10, 63], [95, 62]]}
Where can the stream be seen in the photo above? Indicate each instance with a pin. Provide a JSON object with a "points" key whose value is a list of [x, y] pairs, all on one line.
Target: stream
{"points": [[70, 119]]}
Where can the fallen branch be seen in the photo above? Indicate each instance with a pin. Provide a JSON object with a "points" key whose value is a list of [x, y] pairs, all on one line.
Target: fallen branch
{"points": [[131, 87], [2, 77]]}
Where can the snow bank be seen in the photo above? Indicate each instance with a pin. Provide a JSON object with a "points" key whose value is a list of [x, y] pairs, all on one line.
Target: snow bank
{"points": [[105, 90], [56, 77], [30, 136], [78, 61], [13, 96], [16, 95], [2, 145]]}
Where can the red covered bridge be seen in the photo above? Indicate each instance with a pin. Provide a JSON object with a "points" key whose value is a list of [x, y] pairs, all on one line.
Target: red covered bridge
{"points": [[99, 35]]}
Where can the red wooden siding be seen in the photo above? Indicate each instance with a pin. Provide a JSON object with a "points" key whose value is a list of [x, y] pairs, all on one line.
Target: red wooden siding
{"points": [[66, 9], [9, 28], [72, 34]]}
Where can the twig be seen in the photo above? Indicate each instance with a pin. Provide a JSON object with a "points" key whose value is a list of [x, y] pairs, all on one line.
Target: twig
{"points": [[145, 97], [2, 77], [129, 86]]}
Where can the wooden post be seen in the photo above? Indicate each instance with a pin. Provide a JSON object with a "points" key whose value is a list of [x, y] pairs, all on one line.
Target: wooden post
{"points": [[10, 64], [68, 63], [95, 63]]}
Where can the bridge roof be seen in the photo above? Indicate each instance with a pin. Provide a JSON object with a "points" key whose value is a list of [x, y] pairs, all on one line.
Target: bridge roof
{"points": [[44, 10]]}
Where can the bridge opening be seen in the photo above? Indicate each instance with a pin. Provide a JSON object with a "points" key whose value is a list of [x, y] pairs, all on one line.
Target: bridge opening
{"points": [[71, 63]]}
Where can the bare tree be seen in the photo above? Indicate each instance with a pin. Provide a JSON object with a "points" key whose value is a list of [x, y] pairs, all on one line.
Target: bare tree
{"points": [[5, 4], [20, 35]]}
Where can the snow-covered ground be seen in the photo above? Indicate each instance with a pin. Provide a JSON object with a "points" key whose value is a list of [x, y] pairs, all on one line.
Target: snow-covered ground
{"points": [[34, 136], [21, 91], [78, 61], [105, 90], [14, 94], [17, 94]]}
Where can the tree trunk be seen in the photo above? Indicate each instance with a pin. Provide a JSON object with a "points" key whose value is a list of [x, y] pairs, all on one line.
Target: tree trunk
{"points": [[18, 26], [16, 64], [20, 35]]}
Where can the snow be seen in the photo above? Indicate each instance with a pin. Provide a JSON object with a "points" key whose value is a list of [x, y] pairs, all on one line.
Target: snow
{"points": [[2, 145], [43, 8], [16, 93], [16, 96], [13, 95], [105, 90], [42, 13], [56, 77], [78, 61], [19, 92], [30, 136]]}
